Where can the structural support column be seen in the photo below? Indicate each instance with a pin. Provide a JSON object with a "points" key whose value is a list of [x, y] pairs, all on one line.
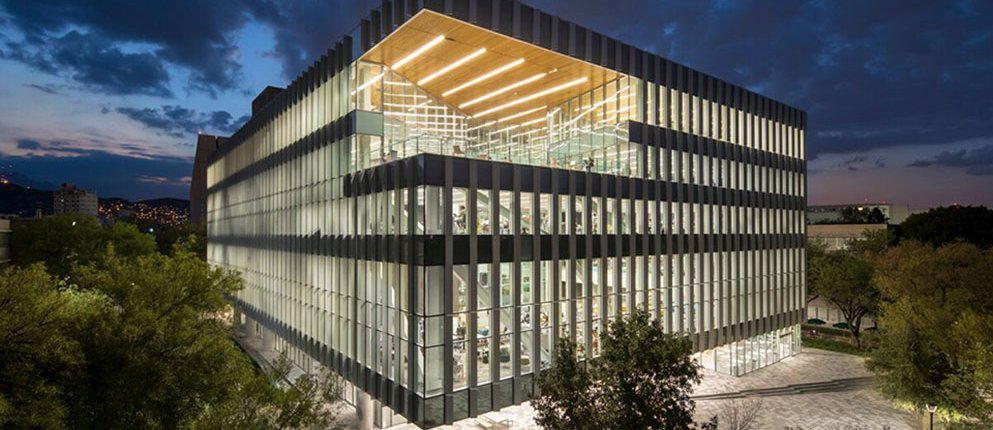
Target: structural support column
{"points": [[268, 340], [364, 410]]}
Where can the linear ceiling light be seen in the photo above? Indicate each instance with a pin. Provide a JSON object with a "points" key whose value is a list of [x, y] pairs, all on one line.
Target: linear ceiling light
{"points": [[485, 124], [484, 77], [534, 121], [520, 114], [452, 66], [595, 106], [418, 52], [506, 129], [371, 81], [503, 90], [531, 97]]}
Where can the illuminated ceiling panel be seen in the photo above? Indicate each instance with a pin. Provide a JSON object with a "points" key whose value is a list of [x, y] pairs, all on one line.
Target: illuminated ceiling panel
{"points": [[463, 40]]}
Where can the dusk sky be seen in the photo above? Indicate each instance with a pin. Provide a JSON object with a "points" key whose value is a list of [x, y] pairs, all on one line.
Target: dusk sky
{"points": [[111, 94]]}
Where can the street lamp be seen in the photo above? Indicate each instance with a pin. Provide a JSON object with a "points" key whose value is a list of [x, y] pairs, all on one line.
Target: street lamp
{"points": [[931, 410]]}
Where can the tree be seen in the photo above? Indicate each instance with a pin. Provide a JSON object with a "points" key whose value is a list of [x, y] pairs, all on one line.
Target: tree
{"points": [[934, 328], [816, 258], [167, 236], [944, 225], [269, 403], [853, 215], [65, 240], [741, 414], [845, 280], [642, 379], [565, 402], [140, 342], [36, 355]]}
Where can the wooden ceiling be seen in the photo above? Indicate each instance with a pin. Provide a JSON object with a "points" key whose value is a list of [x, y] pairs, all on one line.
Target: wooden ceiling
{"points": [[462, 39]]}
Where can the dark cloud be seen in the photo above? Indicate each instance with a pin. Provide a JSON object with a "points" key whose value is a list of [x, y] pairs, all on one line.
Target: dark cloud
{"points": [[852, 163], [28, 144], [48, 88], [120, 176], [869, 74], [977, 162], [306, 30], [54, 148], [197, 35], [95, 62], [178, 121]]}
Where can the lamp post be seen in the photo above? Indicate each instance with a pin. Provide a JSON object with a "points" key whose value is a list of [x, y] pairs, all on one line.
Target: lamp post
{"points": [[931, 410]]}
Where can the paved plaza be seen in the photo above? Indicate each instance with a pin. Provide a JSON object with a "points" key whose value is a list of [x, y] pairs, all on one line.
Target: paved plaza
{"points": [[814, 390]]}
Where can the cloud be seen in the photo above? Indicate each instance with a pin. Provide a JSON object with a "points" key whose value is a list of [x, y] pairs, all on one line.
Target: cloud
{"points": [[306, 30], [26, 147], [851, 163], [124, 46], [179, 122], [977, 162], [869, 74], [48, 88], [96, 63], [28, 144], [119, 175]]}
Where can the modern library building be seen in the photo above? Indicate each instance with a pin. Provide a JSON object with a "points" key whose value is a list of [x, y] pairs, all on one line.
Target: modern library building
{"points": [[459, 183]]}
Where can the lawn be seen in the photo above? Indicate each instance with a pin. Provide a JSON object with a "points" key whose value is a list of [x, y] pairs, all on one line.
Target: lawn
{"points": [[834, 345]]}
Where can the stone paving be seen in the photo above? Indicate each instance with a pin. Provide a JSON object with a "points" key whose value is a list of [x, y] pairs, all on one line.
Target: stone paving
{"points": [[814, 390]]}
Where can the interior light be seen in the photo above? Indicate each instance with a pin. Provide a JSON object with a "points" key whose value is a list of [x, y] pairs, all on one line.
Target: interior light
{"points": [[503, 90], [412, 108], [595, 106], [520, 114], [526, 133], [531, 97], [418, 51], [534, 121], [484, 77], [369, 82], [506, 129], [452, 66], [485, 124]]}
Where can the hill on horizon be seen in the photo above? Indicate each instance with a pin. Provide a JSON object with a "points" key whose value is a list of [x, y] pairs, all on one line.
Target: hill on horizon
{"points": [[23, 201]]}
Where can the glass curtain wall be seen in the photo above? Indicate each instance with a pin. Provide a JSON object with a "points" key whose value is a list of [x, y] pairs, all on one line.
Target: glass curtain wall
{"points": [[587, 132]]}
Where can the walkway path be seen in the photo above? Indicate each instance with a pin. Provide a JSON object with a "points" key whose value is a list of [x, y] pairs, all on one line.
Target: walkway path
{"points": [[815, 390]]}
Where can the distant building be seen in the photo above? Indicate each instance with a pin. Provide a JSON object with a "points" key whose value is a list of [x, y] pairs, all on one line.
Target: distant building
{"points": [[837, 236], [206, 145], [835, 214], [70, 200], [4, 241]]}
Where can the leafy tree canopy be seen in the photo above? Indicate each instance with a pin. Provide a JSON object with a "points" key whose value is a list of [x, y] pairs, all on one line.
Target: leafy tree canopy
{"points": [[845, 278], [642, 379], [64, 240], [935, 321], [139, 342], [944, 225]]}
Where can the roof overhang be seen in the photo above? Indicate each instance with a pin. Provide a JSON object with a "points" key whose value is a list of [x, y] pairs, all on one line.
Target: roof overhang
{"points": [[482, 73]]}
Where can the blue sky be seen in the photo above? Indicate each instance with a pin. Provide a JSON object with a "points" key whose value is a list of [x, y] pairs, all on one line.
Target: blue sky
{"points": [[110, 94]]}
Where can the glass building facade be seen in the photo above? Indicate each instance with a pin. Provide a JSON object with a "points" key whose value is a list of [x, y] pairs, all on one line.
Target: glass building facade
{"points": [[458, 184]]}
